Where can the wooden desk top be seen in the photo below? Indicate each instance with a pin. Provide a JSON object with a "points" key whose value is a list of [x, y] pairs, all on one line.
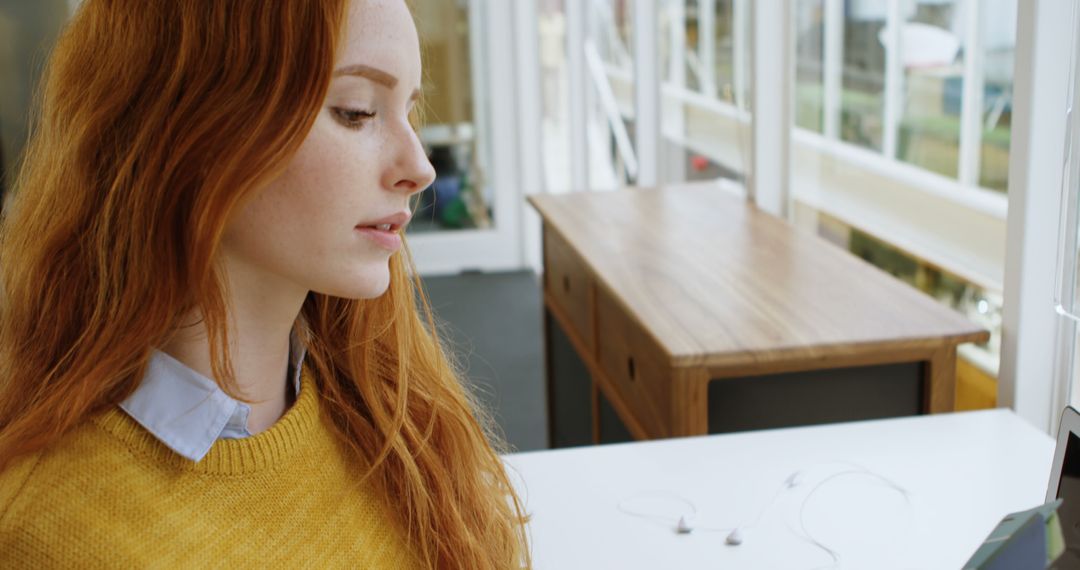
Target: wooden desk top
{"points": [[717, 282]]}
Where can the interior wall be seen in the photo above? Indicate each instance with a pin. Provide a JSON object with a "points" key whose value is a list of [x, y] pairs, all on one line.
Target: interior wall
{"points": [[27, 32]]}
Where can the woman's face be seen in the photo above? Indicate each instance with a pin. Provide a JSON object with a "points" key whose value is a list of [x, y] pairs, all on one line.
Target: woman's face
{"points": [[312, 226]]}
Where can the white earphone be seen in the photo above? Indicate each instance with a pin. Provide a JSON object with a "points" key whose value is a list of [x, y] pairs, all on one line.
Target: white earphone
{"points": [[734, 537]]}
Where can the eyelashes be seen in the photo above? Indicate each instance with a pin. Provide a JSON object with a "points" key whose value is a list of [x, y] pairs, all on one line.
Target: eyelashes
{"points": [[351, 118]]}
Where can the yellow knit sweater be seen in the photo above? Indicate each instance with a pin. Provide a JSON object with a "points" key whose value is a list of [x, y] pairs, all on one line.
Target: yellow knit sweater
{"points": [[110, 495]]}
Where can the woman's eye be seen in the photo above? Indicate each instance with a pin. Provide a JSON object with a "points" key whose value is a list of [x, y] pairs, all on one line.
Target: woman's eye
{"points": [[352, 118]]}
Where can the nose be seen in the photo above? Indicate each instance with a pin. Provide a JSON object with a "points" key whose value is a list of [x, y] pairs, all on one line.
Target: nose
{"points": [[411, 170]]}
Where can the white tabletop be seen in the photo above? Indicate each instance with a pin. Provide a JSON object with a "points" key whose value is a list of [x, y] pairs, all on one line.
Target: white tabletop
{"points": [[961, 473]]}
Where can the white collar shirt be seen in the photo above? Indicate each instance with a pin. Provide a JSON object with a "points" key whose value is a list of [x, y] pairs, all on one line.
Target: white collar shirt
{"points": [[187, 411]]}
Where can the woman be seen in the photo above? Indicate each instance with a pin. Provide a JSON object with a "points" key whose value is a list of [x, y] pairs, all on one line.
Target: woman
{"points": [[216, 190]]}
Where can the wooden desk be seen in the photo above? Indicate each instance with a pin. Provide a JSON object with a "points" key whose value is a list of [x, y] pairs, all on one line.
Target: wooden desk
{"points": [[963, 472], [665, 295]]}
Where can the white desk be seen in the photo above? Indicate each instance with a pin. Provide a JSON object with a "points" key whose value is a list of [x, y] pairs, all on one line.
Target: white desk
{"points": [[962, 472]]}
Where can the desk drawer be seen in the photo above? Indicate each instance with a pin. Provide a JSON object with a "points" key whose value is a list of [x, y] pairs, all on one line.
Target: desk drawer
{"points": [[567, 282], [636, 366]]}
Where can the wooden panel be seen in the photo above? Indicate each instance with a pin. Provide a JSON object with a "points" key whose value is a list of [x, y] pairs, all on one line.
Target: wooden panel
{"points": [[689, 402], [635, 366], [609, 426], [717, 282], [568, 284], [815, 397], [866, 356], [941, 381], [570, 414], [588, 357]]}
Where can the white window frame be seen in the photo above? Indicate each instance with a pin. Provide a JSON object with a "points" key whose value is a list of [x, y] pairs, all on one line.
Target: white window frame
{"points": [[647, 83], [768, 179], [1036, 352], [498, 109], [530, 159]]}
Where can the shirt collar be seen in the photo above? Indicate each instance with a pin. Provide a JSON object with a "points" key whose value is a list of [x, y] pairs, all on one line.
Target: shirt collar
{"points": [[187, 411]]}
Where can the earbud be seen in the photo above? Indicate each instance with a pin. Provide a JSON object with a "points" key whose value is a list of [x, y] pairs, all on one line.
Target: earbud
{"points": [[683, 527], [735, 538]]}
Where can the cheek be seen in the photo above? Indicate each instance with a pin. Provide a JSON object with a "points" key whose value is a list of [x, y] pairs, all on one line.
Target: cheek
{"points": [[301, 225], [320, 191], [315, 181]]}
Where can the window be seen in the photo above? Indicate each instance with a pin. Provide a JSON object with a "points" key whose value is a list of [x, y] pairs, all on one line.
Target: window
{"points": [[901, 134], [453, 132]]}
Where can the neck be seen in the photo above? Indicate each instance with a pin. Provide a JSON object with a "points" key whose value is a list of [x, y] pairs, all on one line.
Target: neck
{"points": [[262, 312]]}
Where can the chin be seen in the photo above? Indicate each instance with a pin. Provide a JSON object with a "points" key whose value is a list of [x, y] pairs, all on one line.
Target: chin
{"points": [[368, 290], [366, 285]]}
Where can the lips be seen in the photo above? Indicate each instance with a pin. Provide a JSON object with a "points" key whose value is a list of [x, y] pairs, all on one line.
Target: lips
{"points": [[391, 223], [385, 231], [384, 239]]}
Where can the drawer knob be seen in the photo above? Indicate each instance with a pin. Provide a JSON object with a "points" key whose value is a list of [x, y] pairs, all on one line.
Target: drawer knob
{"points": [[566, 283], [630, 367]]}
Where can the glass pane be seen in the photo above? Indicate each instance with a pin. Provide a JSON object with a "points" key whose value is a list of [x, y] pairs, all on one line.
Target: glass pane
{"points": [[612, 30], [1067, 278], [606, 33], [724, 48], [710, 56], [862, 102], [933, 63], [700, 143], [809, 64], [460, 197], [999, 45], [1067, 281], [555, 95], [609, 101], [980, 305], [692, 58], [673, 41], [673, 47]]}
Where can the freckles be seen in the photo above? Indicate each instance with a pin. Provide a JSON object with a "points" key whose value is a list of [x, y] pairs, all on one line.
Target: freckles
{"points": [[325, 158], [330, 182], [300, 186], [311, 159]]}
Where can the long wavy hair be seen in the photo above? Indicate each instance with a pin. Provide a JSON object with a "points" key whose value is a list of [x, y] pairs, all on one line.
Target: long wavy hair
{"points": [[155, 121]]}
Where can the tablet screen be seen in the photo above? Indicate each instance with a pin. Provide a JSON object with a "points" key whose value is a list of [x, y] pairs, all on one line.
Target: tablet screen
{"points": [[1069, 511]]}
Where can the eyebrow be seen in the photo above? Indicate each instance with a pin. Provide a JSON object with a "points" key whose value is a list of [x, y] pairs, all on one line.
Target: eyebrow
{"points": [[377, 75]]}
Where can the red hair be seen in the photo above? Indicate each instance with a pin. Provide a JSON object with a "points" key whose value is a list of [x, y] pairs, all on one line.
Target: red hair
{"points": [[156, 120]]}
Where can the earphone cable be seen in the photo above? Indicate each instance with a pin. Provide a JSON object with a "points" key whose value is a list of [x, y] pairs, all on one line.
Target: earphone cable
{"points": [[859, 470]]}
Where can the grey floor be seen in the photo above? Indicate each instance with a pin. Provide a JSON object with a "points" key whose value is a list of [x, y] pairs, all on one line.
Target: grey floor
{"points": [[494, 324]]}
